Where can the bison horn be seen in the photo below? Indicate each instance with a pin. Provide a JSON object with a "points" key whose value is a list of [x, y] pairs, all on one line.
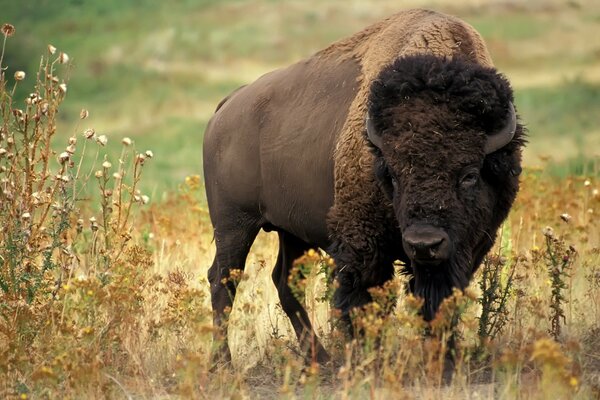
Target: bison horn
{"points": [[504, 135], [371, 134]]}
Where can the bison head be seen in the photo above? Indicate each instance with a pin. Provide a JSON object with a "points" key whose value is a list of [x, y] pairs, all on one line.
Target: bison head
{"points": [[447, 154]]}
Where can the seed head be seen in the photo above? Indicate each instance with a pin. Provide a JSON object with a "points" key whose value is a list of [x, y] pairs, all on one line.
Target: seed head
{"points": [[126, 141], [34, 98], [93, 224], [64, 157], [8, 30], [51, 49], [99, 174], [141, 158], [26, 216], [106, 165], [63, 88], [83, 114], [102, 140], [117, 175], [149, 153], [89, 133], [145, 199], [587, 183], [19, 75], [63, 58], [565, 217], [548, 232]]}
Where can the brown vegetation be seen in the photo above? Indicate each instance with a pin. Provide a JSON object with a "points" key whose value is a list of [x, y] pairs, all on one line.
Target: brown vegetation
{"points": [[99, 299]]}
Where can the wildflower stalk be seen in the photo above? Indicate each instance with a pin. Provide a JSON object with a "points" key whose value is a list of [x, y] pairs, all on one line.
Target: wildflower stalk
{"points": [[496, 285], [559, 259]]}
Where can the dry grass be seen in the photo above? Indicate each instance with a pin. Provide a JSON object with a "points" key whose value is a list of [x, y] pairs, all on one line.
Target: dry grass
{"points": [[117, 306]]}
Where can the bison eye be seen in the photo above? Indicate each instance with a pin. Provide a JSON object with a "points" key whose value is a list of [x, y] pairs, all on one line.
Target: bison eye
{"points": [[469, 179]]}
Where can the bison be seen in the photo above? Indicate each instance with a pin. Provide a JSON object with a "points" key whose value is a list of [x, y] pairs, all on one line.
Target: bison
{"points": [[400, 142]]}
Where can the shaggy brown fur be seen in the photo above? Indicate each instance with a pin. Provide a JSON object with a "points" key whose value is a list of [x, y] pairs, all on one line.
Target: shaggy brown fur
{"points": [[405, 33], [357, 232], [426, 152]]}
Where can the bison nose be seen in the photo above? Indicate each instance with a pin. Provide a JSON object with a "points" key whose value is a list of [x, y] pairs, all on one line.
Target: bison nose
{"points": [[426, 244]]}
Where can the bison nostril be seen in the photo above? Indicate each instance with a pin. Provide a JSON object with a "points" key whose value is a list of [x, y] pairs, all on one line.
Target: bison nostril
{"points": [[429, 247], [426, 243]]}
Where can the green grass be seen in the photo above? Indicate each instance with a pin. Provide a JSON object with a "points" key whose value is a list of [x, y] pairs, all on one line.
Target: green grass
{"points": [[155, 70], [579, 166], [563, 124], [174, 159], [568, 109], [509, 27]]}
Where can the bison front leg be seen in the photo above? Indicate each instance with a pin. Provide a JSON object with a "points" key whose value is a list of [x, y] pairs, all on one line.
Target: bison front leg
{"points": [[356, 273], [291, 248]]}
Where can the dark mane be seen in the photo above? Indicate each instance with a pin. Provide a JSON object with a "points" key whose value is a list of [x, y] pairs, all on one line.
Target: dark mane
{"points": [[474, 95]]}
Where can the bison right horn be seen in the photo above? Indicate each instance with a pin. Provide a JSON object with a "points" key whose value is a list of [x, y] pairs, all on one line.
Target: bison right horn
{"points": [[372, 134], [504, 135]]}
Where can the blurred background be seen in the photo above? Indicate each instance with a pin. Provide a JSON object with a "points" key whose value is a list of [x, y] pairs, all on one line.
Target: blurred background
{"points": [[155, 70]]}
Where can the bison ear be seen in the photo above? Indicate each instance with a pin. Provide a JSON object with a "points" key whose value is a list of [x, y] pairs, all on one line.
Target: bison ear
{"points": [[372, 133]]}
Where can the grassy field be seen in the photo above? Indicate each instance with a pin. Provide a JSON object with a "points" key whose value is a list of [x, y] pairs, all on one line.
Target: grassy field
{"points": [[102, 296], [155, 71]]}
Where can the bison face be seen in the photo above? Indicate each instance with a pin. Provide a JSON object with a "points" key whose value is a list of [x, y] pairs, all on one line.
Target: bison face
{"points": [[447, 151]]}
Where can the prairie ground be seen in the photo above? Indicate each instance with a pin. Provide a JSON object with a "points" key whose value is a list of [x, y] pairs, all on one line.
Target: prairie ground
{"points": [[103, 290]]}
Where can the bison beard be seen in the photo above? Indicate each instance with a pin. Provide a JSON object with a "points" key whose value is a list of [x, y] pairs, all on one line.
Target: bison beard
{"points": [[433, 287]]}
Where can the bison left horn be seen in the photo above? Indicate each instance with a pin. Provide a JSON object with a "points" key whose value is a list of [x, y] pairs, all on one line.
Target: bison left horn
{"points": [[504, 135], [371, 134]]}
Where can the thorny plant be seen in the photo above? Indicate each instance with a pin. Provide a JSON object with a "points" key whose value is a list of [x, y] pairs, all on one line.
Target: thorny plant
{"points": [[496, 284], [559, 259], [65, 285], [86, 310]]}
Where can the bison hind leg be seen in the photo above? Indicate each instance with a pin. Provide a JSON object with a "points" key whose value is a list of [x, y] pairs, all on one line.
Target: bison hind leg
{"points": [[233, 241], [291, 248]]}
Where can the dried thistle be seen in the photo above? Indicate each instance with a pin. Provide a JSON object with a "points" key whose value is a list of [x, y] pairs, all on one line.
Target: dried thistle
{"points": [[559, 259], [8, 30], [63, 58], [102, 140]]}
